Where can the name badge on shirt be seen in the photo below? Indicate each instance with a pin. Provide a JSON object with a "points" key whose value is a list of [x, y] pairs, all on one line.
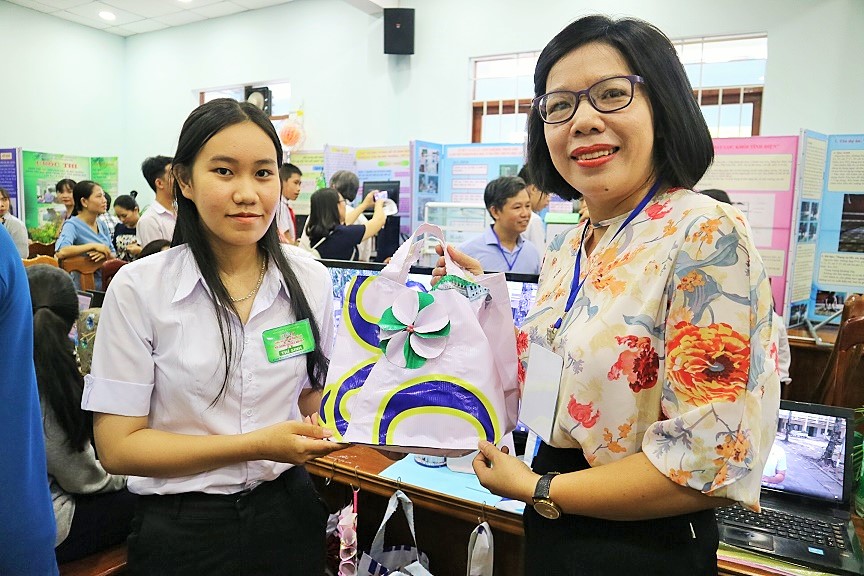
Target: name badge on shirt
{"points": [[540, 393], [288, 341]]}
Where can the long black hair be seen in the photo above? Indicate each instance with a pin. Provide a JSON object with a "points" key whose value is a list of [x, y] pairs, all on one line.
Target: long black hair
{"points": [[682, 143], [202, 124], [323, 214], [55, 309]]}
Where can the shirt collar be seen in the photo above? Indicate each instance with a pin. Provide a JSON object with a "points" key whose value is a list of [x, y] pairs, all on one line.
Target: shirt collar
{"points": [[160, 209], [489, 237], [190, 277]]}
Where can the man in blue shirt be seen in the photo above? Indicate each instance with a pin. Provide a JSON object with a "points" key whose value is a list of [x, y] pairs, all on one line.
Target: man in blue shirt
{"points": [[501, 247], [27, 528]]}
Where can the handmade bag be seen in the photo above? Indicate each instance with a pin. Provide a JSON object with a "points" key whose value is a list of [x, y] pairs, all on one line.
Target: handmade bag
{"points": [[394, 560], [428, 373]]}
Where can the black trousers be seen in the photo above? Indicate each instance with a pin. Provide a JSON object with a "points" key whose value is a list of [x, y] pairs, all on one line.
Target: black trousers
{"points": [[277, 528], [577, 545]]}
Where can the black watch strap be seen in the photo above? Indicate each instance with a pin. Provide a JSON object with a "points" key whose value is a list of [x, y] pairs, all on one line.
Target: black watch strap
{"points": [[541, 490]]}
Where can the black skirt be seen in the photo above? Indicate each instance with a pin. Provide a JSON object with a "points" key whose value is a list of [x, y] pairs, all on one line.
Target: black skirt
{"points": [[578, 545]]}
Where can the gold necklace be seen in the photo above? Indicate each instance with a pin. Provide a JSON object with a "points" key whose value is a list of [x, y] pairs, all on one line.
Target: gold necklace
{"points": [[257, 285]]}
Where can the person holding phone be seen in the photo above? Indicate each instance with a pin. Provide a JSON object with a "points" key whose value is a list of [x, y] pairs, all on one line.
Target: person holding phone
{"points": [[328, 229]]}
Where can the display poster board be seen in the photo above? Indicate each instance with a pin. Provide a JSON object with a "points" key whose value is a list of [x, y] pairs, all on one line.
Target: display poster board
{"points": [[758, 173], [311, 163], [9, 179], [338, 158], [459, 172], [425, 178], [105, 172], [42, 170], [838, 221], [812, 156], [389, 163]]}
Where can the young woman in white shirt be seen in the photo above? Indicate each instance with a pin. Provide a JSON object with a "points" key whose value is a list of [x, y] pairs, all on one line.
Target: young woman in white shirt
{"points": [[187, 397]]}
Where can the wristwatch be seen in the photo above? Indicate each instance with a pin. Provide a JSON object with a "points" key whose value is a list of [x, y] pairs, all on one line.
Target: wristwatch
{"points": [[544, 505]]}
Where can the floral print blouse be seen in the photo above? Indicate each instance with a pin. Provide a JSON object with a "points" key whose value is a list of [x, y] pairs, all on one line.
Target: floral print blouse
{"points": [[668, 348]]}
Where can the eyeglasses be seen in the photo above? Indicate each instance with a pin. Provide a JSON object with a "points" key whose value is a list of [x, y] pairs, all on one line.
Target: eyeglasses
{"points": [[609, 95]]}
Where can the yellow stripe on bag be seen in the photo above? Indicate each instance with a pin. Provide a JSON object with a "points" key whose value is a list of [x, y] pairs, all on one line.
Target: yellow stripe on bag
{"points": [[334, 387], [376, 426], [366, 281], [436, 410]]}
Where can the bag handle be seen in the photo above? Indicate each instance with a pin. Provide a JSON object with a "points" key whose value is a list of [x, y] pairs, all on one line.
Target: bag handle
{"points": [[408, 508], [408, 254]]}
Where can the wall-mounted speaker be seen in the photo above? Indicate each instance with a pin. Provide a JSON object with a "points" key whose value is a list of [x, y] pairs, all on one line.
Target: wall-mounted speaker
{"points": [[398, 30], [260, 97]]}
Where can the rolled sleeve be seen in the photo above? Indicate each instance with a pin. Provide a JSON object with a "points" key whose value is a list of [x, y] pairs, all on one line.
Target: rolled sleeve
{"points": [[122, 374], [721, 391], [116, 397]]}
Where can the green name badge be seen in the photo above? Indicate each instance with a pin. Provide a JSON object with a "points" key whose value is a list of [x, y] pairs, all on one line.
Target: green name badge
{"points": [[288, 341]]}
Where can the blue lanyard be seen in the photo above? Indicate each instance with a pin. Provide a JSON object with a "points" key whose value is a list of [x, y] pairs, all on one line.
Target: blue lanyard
{"points": [[504, 254], [575, 284]]}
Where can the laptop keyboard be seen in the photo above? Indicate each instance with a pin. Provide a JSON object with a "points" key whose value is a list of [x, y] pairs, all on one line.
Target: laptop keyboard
{"points": [[830, 535]]}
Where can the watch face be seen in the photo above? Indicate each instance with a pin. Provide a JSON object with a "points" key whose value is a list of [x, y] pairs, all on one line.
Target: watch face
{"points": [[547, 509]]}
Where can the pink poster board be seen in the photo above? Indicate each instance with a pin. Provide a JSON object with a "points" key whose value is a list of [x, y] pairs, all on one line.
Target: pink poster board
{"points": [[758, 173]]}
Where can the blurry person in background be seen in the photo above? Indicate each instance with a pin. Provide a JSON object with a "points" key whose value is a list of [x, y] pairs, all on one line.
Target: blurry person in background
{"points": [[16, 228], [502, 247], [536, 232]]}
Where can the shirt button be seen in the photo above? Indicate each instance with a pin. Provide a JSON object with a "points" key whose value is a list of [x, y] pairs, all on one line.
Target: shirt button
{"points": [[249, 412]]}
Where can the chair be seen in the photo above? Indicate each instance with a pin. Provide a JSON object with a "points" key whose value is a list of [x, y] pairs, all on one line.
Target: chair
{"points": [[37, 248], [842, 383], [85, 267], [109, 269], [41, 259]]}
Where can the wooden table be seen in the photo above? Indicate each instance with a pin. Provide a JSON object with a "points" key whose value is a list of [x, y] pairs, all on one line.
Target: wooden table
{"points": [[443, 522]]}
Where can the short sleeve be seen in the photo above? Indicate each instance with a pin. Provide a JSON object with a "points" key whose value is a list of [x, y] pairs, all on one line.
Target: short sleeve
{"points": [[122, 372], [720, 387], [67, 236]]}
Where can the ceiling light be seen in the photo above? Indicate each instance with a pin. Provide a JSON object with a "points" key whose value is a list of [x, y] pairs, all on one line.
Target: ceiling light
{"points": [[105, 15]]}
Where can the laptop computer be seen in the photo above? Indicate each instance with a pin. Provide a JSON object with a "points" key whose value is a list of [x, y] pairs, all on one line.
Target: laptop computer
{"points": [[806, 494]]}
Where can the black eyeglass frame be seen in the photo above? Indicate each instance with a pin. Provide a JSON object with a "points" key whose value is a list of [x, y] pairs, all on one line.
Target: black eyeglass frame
{"points": [[633, 78]]}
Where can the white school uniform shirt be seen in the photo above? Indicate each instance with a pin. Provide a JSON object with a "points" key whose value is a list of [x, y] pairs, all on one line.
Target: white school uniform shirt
{"points": [[536, 233], [284, 222], [157, 223], [159, 354]]}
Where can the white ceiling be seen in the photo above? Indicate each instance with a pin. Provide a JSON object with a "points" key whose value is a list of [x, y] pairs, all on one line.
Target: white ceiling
{"points": [[138, 16]]}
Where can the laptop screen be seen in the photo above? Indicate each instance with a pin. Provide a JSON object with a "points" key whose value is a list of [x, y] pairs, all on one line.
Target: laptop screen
{"points": [[812, 453]]}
